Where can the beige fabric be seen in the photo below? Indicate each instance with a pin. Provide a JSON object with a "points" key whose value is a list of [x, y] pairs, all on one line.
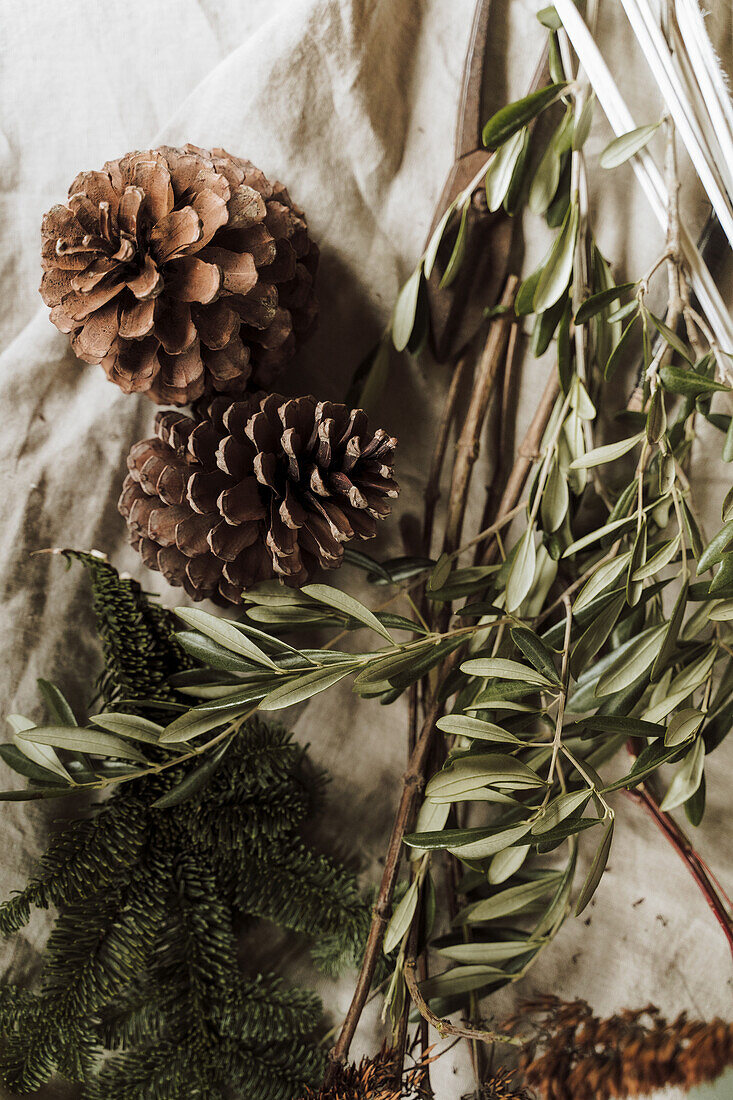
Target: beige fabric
{"points": [[352, 104]]}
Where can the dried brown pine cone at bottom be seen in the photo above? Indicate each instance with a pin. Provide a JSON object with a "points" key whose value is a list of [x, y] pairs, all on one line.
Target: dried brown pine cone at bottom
{"points": [[261, 488], [180, 271]]}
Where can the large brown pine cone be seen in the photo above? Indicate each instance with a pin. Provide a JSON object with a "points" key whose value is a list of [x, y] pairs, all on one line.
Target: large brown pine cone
{"points": [[180, 271], [254, 489]]}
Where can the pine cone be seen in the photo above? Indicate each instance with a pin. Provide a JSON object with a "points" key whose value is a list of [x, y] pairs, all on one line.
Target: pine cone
{"points": [[254, 489], [181, 271]]}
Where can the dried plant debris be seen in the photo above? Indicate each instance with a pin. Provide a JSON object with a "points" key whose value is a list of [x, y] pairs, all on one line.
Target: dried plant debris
{"points": [[376, 1078], [575, 1055]]}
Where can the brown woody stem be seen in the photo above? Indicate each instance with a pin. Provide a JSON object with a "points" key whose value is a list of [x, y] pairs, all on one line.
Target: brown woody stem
{"points": [[445, 1027], [526, 455], [467, 448], [412, 782]]}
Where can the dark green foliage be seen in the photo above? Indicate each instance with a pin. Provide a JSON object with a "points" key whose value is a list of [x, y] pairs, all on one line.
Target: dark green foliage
{"points": [[140, 652], [143, 995]]}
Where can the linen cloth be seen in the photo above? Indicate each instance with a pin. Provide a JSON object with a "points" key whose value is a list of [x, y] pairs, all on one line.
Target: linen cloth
{"points": [[352, 104]]}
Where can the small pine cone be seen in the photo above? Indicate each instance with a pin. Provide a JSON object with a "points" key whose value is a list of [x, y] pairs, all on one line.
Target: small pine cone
{"points": [[181, 271], [255, 489]]}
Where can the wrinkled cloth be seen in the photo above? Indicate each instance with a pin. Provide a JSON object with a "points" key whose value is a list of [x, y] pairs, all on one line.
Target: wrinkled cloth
{"points": [[352, 104]]}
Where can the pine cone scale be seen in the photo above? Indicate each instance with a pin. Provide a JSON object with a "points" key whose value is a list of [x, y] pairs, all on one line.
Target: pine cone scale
{"points": [[186, 227], [234, 489]]}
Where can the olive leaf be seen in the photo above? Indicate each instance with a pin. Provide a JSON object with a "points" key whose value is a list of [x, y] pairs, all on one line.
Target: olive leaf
{"points": [[83, 740], [304, 687], [501, 170], [224, 633], [686, 779], [596, 303], [515, 899], [607, 453], [459, 249], [461, 725], [557, 271], [503, 669], [401, 918], [597, 868], [627, 145], [557, 810], [507, 121], [405, 310], [522, 571], [431, 252], [347, 605]]}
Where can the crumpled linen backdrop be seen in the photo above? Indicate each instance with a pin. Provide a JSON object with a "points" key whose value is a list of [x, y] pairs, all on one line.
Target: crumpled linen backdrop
{"points": [[352, 104]]}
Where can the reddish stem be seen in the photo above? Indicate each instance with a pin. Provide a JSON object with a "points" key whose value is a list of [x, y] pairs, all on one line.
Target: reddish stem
{"points": [[687, 853]]}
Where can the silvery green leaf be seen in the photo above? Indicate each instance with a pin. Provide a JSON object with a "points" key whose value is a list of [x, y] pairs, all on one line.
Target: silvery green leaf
{"points": [[501, 668], [656, 421], [431, 252], [681, 686], [620, 348], [671, 337], [580, 401], [726, 511], [545, 573], [477, 952], [195, 781], [403, 318], [347, 605], [431, 818], [558, 269], [689, 383], [546, 178], [682, 725], [716, 548], [501, 170], [56, 704], [686, 779], [83, 740], [489, 845], [401, 918], [522, 571], [200, 720], [479, 770], [505, 864], [459, 249], [461, 979], [671, 634], [211, 653], [42, 755], [602, 579], [224, 634], [22, 764], [596, 871], [460, 725], [535, 650], [555, 499], [304, 687], [549, 18], [627, 145], [513, 900], [634, 662], [129, 725], [634, 589], [440, 573], [623, 312], [662, 557], [608, 453], [583, 125], [557, 810], [525, 295], [595, 536], [474, 794], [721, 612], [515, 116]]}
